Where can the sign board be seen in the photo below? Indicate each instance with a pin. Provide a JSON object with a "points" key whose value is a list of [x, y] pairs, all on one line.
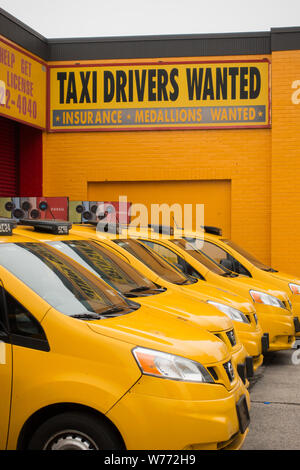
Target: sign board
{"points": [[160, 95], [22, 86]]}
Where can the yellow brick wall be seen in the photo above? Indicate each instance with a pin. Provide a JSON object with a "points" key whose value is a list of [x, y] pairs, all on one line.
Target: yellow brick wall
{"points": [[243, 156], [285, 163]]}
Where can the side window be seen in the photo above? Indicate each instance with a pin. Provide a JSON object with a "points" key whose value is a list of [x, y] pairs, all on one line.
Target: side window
{"points": [[166, 253], [173, 258], [224, 259], [214, 252], [24, 329]]}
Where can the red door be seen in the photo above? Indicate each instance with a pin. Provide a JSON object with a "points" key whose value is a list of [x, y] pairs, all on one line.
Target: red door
{"points": [[8, 157]]}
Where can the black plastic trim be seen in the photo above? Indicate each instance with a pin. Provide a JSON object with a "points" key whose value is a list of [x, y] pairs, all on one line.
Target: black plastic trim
{"points": [[285, 39], [265, 342], [21, 34], [31, 343], [249, 366]]}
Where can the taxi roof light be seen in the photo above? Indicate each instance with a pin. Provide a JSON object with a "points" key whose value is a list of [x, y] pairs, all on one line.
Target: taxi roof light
{"points": [[7, 226], [162, 229], [106, 227], [212, 230], [56, 227]]}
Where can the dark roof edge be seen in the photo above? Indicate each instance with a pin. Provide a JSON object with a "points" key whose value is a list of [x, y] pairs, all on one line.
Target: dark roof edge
{"points": [[168, 37], [290, 29], [285, 39], [21, 34], [186, 45], [21, 24]]}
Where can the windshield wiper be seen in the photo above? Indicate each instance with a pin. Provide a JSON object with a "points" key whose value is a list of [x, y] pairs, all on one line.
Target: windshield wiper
{"points": [[229, 275], [110, 310], [139, 289], [135, 292], [270, 270], [87, 316]]}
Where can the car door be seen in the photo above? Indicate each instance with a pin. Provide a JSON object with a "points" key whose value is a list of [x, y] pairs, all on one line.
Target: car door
{"points": [[5, 373]]}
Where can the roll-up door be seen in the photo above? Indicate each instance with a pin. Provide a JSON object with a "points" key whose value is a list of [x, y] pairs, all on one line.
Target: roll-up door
{"points": [[214, 194], [8, 157]]}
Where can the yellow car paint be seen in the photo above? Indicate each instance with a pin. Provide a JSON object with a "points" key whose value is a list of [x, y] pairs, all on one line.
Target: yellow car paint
{"points": [[254, 269]]}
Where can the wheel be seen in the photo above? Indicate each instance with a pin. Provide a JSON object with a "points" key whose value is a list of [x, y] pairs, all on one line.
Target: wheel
{"points": [[75, 431]]}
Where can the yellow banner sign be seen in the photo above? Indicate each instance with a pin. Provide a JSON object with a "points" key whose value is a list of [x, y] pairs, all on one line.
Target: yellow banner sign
{"points": [[22, 86], [160, 95]]}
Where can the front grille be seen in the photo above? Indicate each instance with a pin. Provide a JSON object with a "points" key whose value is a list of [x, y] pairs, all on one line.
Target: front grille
{"points": [[231, 336], [229, 370], [213, 372], [297, 324]]}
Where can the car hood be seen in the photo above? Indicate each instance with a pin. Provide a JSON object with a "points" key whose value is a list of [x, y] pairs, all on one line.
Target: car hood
{"points": [[255, 284], [156, 329], [186, 307], [206, 291]]}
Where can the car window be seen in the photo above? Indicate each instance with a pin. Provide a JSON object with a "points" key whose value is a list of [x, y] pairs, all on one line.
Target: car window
{"points": [[20, 321], [248, 256], [63, 284], [221, 256], [158, 264], [164, 251], [191, 247], [102, 262], [173, 258]]}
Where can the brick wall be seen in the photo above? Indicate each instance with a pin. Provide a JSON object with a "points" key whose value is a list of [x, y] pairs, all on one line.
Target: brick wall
{"points": [[285, 163]]}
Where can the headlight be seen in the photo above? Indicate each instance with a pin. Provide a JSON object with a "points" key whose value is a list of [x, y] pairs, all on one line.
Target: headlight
{"points": [[295, 288], [262, 298], [169, 366], [231, 312]]}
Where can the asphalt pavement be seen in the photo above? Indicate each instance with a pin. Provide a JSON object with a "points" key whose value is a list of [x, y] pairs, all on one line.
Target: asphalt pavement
{"points": [[275, 404]]}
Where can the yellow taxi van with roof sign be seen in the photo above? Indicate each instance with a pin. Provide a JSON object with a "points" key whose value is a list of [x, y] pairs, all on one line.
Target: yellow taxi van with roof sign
{"points": [[238, 260], [160, 272], [272, 305], [105, 261], [83, 367]]}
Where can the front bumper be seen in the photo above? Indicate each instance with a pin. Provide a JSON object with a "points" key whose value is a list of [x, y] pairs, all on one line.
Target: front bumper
{"points": [[181, 416], [240, 359], [278, 324], [252, 341]]}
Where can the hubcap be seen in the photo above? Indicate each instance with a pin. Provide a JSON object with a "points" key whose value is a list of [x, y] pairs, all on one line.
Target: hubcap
{"points": [[70, 440]]}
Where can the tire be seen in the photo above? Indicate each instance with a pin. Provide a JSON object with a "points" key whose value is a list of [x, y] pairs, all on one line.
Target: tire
{"points": [[75, 431]]}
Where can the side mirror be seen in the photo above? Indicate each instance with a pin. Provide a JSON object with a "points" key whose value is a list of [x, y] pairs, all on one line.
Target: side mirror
{"points": [[228, 263]]}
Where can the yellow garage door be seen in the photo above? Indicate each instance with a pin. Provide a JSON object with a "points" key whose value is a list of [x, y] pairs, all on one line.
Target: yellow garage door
{"points": [[214, 194]]}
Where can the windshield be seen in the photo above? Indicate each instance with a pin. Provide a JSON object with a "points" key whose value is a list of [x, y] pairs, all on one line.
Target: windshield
{"points": [[60, 282], [248, 256], [190, 245], [107, 265], [155, 262]]}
